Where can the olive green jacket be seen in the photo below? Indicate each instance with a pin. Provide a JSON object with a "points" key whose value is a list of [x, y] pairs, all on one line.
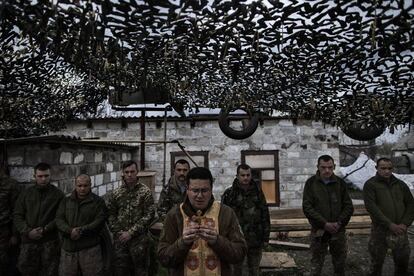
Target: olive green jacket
{"points": [[388, 201], [89, 214], [36, 207], [324, 203]]}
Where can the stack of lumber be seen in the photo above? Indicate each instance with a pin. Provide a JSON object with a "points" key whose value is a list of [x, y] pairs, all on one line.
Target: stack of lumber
{"points": [[292, 223]]}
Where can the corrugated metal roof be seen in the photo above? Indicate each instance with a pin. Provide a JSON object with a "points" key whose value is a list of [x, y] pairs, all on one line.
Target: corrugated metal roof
{"points": [[67, 139]]}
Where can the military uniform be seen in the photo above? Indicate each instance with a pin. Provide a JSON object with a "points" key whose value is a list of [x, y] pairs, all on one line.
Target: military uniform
{"points": [[36, 207], [8, 195], [89, 214], [132, 210], [388, 202], [253, 214], [170, 195], [322, 203]]}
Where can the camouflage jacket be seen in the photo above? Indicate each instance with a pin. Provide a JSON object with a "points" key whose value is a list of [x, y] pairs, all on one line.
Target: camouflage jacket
{"points": [[169, 196], [9, 191], [131, 210], [252, 212]]}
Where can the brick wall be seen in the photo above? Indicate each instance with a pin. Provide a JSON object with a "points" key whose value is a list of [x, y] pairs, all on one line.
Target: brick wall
{"points": [[69, 160], [299, 146]]}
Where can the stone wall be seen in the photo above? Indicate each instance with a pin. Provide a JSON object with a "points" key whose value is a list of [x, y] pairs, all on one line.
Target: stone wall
{"points": [[299, 146], [69, 160]]}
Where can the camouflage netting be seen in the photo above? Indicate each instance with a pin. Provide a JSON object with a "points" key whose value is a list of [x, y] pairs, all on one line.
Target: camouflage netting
{"points": [[344, 62]]}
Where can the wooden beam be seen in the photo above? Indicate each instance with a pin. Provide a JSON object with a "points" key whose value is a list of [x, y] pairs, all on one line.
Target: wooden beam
{"points": [[306, 226], [290, 245], [293, 213]]}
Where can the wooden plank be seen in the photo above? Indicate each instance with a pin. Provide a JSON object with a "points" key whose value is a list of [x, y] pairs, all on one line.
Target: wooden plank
{"points": [[304, 220], [306, 226], [303, 234], [286, 213], [277, 260], [293, 213], [290, 245], [365, 231]]}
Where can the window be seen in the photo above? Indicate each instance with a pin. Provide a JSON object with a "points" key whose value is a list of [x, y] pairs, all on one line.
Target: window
{"points": [[200, 157], [265, 171]]}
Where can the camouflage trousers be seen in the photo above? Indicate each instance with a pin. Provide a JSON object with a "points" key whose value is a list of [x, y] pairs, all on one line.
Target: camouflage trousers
{"points": [[251, 263], [380, 241], [87, 261], [39, 258], [133, 257], [337, 244]]}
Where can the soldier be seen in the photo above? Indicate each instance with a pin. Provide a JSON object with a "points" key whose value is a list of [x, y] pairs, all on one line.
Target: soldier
{"points": [[328, 207], [80, 219], [248, 202], [174, 192], [8, 195], [131, 212], [34, 218], [390, 204], [200, 236]]}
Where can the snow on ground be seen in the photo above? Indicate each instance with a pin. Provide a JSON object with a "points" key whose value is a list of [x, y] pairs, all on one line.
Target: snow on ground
{"points": [[364, 168]]}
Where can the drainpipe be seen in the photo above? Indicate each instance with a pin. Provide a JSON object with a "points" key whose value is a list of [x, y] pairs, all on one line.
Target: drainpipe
{"points": [[164, 179], [142, 147]]}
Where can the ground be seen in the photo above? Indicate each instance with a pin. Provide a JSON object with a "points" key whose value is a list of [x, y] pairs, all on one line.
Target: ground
{"points": [[357, 262]]}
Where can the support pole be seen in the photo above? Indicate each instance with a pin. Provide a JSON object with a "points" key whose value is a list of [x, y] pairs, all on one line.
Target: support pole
{"points": [[142, 146]]}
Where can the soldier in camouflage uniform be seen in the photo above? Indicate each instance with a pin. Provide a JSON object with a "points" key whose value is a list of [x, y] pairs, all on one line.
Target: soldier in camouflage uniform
{"points": [[131, 211], [390, 204], [8, 195], [248, 202], [175, 190], [328, 207], [34, 218]]}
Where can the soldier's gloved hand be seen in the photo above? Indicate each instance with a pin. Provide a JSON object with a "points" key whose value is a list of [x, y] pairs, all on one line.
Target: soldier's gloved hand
{"points": [[36, 233], [124, 236]]}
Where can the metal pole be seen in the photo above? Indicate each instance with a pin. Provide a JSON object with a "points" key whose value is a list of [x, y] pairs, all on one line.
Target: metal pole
{"points": [[142, 147], [164, 178]]}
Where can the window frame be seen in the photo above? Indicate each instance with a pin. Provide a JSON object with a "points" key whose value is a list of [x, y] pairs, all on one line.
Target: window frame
{"points": [[175, 155], [275, 154]]}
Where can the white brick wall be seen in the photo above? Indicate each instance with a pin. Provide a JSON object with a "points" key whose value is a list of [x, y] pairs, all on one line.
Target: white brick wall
{"points": [[298, 150]]}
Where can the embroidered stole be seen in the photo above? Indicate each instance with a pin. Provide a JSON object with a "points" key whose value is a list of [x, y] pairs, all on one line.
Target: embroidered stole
{"points": [[201, 259]]}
